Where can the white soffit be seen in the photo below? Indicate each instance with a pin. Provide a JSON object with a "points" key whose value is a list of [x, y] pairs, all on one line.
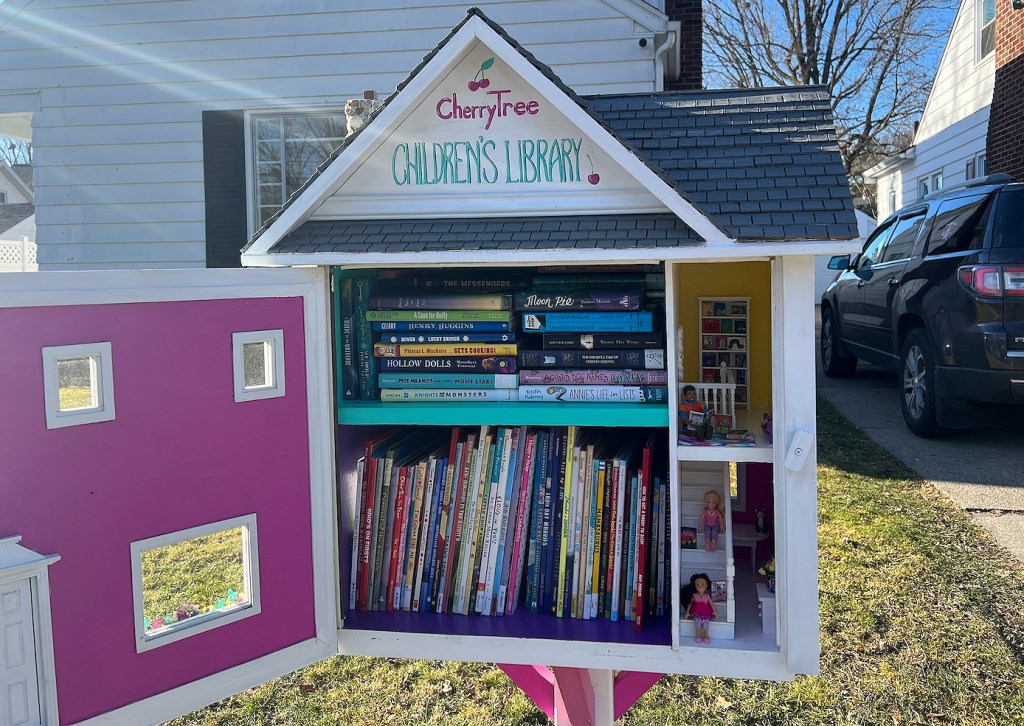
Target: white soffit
{"points": [[404, 163]]}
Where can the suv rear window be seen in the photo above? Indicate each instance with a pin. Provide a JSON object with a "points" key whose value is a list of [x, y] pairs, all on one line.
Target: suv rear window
{"points": [[1008, 226], [959, 225]]}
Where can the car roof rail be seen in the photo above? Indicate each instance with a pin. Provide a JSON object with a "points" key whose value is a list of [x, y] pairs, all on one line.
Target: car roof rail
{"points": [[984, 181]]}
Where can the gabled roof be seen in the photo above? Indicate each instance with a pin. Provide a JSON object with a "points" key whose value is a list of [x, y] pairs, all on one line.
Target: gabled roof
{"points": [[12, 214], [19, 175]]}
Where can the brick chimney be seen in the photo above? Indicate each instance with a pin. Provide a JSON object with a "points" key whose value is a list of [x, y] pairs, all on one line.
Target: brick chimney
{"points": [[1006, 119], [689, 13]]}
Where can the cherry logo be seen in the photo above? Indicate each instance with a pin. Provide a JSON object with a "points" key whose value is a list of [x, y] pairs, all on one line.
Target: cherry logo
{"points": [[483, 82], [593, 178]]}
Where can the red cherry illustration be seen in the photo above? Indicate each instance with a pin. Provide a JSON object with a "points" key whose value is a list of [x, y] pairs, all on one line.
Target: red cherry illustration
{"points": [[593, 178], [483, 82]]}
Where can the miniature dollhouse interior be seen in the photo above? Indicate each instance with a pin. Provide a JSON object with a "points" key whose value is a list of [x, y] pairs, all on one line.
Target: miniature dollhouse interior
{"points": [[510, 452]]}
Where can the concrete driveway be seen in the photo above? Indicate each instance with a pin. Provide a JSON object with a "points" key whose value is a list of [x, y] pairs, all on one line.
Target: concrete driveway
{"points": [[982, 470]]}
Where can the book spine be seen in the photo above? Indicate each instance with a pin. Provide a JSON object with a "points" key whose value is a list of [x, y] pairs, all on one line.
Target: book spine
{"points": [[446, 316], [447, 380], [558, 503], [367, 533], [590, 572], [631, 554], [653, 280], [459, 301], [499, 524], [643, 359], [616, 555], [465, 565], [639, 322], [644, 494], [442, 326], [414, 395], [543, 565], [595, 588], [357, 519], [430, 564], [379, 520], [479, 537], [451, 281], [598, 394], [572, 454], [510, 508], [349, 371], [418, 350], [444, 527], [492, 500], [454, 364], [607, 527], [394, 578], [424, 534], [522, 533], [595, 377], [383, 568], [664, 558], [459, 511], [414, 535], [591, 300], [430, 338], [654, 545], [365, 365], [580, 523], [598, 341]]}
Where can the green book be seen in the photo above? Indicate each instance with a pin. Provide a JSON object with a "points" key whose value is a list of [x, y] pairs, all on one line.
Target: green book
{"points": [[465, 316]]}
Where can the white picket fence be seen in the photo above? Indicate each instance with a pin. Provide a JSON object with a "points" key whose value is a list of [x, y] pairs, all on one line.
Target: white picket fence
{"points": [[18, 255]]}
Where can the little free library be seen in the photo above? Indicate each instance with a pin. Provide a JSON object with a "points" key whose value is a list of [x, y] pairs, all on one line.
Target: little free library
{"points": [[516, 376]]}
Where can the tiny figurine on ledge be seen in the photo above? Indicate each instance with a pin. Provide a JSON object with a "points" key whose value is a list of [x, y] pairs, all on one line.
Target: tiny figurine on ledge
{"points": [[768, 570], [689, 404], [701, 608], [762, 525], [712, 520]]}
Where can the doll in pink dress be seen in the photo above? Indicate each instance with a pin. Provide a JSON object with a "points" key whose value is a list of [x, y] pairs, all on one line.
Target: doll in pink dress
{"points": [[701, 608], [712, 520]]}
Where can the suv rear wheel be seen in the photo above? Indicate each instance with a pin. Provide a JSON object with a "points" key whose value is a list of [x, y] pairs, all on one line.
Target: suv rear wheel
{"points": [[917, 375], [834, 363]]}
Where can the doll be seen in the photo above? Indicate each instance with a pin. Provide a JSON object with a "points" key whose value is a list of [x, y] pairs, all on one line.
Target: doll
{"points": [[701, 608], [712, 520], [689, 404]]}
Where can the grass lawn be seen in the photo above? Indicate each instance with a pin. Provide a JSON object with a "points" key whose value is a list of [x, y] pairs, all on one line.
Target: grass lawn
{"points": [[922, 622]]}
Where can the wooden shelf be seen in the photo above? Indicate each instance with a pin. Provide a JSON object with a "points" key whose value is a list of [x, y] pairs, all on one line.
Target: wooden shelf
{"points": [[449, 413]]}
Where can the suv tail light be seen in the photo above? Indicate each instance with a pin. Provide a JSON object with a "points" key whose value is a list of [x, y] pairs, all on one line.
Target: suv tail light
{"points": [[993, 280]]}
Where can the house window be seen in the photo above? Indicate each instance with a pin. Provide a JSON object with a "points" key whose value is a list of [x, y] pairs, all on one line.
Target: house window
{"points": [[191, 581], [258, 364], [981, 163], [738, 486], [987, 27], [971, 170], [923, 187], [286, 149], [937, 182], [3, 197], [892, 200], [78, 384]]}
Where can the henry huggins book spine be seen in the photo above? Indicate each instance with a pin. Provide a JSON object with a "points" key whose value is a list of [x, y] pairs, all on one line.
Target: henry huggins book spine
{"points": [[442, 326], [598, 300]]}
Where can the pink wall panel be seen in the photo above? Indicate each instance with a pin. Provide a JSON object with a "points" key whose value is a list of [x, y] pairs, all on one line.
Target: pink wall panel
{"points": [[180, 453]]}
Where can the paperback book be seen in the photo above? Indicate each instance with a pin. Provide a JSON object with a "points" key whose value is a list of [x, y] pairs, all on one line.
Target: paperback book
{"points": [[591, 341], [422, 350], [412, 316], [602, 300], [443, 326], [596, 377], [448, 394], [453, 337], [573, 322], [447, 380], [455, 301], [498, 364], [596, 394], [627, 359]]}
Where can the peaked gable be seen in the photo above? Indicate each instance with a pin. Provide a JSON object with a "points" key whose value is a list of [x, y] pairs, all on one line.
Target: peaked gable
{"points": [[481, 129]]}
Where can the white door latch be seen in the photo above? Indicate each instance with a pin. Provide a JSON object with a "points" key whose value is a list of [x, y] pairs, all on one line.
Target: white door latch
{"points": [[800, 447]]}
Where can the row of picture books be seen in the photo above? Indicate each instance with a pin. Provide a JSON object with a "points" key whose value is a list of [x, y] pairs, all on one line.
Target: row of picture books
{"points": [[565, 521], [504, 335]]}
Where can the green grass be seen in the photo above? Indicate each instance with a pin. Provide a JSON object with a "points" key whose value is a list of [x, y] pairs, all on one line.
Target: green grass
{"points": [[922, 622]]}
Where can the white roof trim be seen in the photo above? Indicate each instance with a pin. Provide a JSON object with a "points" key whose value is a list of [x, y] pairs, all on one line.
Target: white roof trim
{"points": [[641, 13], [393, 114], [24, 188]]}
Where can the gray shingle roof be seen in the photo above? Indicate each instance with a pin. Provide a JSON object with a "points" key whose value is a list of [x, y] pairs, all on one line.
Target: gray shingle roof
{"points": [[12, 214], [24, 172], [416, 235]]}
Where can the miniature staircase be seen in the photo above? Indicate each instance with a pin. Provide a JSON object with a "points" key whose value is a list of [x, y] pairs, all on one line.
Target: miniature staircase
{"points": [[695, 479]]}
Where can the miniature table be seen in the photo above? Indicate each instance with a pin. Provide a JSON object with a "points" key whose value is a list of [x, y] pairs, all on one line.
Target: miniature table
{"points": [[746, 535], [766, 604]]}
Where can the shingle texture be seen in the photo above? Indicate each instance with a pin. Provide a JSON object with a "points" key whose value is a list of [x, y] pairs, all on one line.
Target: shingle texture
{"points": [[11, 214], [641, 231]]}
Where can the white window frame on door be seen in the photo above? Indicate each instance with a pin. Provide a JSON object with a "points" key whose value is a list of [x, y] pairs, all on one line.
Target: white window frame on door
{"points": [[101, 379], [274, 340]]}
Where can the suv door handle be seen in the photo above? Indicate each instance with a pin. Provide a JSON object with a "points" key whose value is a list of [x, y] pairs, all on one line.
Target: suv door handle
{"points": [[894, 281], [860, 284]]}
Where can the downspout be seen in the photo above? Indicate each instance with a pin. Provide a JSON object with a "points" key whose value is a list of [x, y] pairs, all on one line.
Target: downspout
{"points": [[659, 60]]}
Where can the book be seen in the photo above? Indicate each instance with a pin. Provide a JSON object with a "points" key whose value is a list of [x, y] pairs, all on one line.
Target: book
{"points": [[447, 380], [493, 507], [506, 535], [424, 530], [453, 337], [456, 452], [443, 326], [640, 279], [571, 458], [547, 523], [458, 524], [570, 299], [429, 301], [365, 365], [415, 522], [596, 377], [642, 558], [360, 502], [621, 498], [349, 376], [630, 582], [520, 564], [688, 538], [595, 394], [536, 520], [649, 358], [573, 322], [419, 395], [598, 341], [483, 504], [455, 280], [719, 591], [427, 350], [499, 364], [465, 316]]}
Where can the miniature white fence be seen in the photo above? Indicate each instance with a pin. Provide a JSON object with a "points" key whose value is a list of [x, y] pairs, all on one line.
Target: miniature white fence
{"points": [[18, 255]]}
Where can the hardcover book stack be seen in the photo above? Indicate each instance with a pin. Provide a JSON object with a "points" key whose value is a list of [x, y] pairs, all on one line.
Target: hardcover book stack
{"points": [[593, 337], [565, 521]]}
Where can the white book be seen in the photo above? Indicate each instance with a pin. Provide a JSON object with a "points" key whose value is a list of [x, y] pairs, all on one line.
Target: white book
{"points": [[620, 501], [458, 580], [414, 535], [356, 518], [498, 531], [579, 524], [589, 610], [508, 522], [492, 499], [469, 532], [421, 556]]}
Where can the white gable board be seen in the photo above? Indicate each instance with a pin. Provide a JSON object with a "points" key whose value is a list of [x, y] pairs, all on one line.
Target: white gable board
{"points": [[482, 142]]}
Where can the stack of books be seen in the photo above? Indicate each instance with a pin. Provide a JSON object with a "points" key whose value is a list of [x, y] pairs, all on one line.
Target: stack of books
{"points": [[596, 337], [566, 521]]}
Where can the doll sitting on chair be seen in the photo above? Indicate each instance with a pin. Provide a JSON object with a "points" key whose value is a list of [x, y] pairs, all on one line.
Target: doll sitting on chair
{"points": [[712, 520]]}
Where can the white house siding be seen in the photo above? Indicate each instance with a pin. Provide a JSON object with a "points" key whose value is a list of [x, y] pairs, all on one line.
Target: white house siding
{"points": [[954, 125], [117, 136]]}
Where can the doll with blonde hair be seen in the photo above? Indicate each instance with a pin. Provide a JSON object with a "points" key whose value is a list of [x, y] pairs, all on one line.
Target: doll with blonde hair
{"points": [[712, 520]]}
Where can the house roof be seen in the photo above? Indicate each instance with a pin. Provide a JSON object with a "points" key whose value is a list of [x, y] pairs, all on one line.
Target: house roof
{"points": [[758, 164], [20, 175], [12, 214], [24, 172]]}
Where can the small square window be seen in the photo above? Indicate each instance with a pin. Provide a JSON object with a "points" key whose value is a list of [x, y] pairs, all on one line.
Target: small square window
{"points": [[78, 384], [922, 187], [258, 364], [188, 582], [937, 181]]}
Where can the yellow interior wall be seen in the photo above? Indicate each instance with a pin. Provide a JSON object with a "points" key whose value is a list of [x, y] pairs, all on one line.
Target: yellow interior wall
{"points": [[728, 279]]}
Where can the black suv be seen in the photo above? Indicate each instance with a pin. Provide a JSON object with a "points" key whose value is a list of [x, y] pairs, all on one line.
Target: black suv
{"points": [[937, 295]]}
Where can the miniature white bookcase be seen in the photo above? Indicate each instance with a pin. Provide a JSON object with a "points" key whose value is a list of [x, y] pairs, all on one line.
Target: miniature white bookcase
{"points": [[724, 343]]}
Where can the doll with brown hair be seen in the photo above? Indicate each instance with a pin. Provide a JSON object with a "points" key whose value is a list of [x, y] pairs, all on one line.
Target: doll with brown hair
{"points": [[701, 608], [712, 520]]}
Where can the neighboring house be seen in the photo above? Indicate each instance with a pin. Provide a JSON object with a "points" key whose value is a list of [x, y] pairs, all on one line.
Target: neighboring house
{"points": [[949, 142], [165, 133], [1006, 122], [17, 219]]}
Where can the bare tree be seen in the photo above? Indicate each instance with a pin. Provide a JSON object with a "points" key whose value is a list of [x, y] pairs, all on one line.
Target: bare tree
{"points": [[15, 151], [875, 57]]}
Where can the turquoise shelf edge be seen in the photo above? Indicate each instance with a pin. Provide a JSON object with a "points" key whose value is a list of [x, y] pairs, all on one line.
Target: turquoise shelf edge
{"points": [[370, 413]]}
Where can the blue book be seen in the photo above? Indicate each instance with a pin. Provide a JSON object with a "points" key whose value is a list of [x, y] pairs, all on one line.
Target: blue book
{"points": [[634, 511], [366, 363], [536, 518], [430, 571], [439, 326], [547, 538], [451, 337], [448, 380], [587, 322]]}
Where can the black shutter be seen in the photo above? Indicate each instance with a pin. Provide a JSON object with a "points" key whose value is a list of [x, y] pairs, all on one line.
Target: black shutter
{"points": [[224, 185]]}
